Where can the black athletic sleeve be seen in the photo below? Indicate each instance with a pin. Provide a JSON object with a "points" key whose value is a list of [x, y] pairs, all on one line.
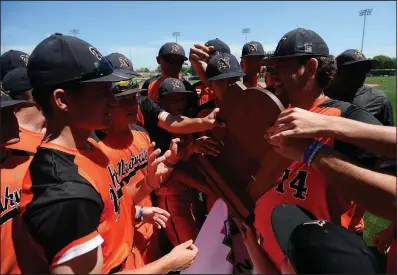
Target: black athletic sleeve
{"points": [[387, 114], [366, 158], [146, 84], [65, 213]]}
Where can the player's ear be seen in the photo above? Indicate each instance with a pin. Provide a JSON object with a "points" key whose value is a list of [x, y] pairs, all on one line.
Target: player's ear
{"points": [[311, 66], [59, 99], [158, 59]]}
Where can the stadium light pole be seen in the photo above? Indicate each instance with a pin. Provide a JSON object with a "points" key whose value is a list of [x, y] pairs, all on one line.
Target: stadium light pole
{"points": [[246, 31], [74, 32], [176, 34], [364, 13]]}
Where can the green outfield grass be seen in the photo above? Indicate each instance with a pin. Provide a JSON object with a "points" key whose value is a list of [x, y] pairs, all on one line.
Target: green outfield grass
{"points": [[374, 224]]}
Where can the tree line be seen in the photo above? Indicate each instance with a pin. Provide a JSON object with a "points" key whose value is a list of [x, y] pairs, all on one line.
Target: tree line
{"points": [[385, 62]]}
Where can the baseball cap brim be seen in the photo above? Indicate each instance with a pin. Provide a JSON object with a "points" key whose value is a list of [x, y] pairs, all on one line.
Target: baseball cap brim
{"points": [[9, 103], [254, 54], [271, 60], [226, 75], [130, 91], [284, 219], [176, 54], [372, 62], [178, 92], [116, 76]]}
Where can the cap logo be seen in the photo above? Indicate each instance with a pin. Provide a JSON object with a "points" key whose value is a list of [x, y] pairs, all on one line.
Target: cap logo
{"points": [[280, 43], [308, 48], [319, 223], [359, 55], [252, 47], [175, 48], [123, 62], [223, 63], [25, 58], [96, 53], [176, 84]]}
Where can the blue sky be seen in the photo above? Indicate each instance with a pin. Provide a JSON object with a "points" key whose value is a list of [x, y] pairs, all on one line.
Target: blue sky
{"points": [[142, 27]]}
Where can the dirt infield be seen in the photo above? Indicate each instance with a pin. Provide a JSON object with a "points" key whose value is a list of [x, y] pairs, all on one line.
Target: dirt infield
{"points": [[372, 85]]}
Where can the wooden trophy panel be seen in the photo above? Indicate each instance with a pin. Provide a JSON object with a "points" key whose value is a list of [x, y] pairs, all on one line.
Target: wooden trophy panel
{"points": [[246, 166]]}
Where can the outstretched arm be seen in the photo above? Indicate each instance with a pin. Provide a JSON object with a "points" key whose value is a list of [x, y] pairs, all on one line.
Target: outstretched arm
{"points": [[300, 123]]}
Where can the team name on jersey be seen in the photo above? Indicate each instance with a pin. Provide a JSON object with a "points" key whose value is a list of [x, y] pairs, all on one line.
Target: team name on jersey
{"points": [[123, 172], [9, 204]]}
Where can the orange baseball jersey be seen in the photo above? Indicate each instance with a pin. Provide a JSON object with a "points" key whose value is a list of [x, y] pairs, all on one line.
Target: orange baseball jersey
{"points": [[16, 255], [74, 201], [152, 85], [205, 93], [29, 140], [305, 187], [123, 151]]}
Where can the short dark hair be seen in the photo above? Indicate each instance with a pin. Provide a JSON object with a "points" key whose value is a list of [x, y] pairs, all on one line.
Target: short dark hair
{"points": [[327, 69], [21, 95], [42, 94]]}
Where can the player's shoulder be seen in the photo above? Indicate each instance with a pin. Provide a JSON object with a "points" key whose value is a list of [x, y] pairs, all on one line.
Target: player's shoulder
{"points": [[150, 80], [350, 111], [139, 131], [375, 94], [330, 103], [52, 164]]}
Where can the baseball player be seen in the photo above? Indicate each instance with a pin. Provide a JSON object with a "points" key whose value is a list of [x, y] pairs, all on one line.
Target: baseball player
{"points": [[301, 74], [348, 86], [174, 196], [30, 119], [252, 54], [17, 256], [11, 60], [221, 71], [80, 218], [202, 87]]}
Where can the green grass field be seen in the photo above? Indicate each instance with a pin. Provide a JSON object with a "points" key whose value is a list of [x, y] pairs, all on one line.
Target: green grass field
{"points": [[374, 224]]}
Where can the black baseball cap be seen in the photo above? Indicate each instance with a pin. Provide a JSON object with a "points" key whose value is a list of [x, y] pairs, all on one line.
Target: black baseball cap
{"points": [[16, 81], [253, 48], [299, 42], [354, 57], [127, 87], [223, 65], [172, 48], [7, 101], [320, 247], [11, 60], [172, 85], [122, 63], [62, 58], [219, 46]]}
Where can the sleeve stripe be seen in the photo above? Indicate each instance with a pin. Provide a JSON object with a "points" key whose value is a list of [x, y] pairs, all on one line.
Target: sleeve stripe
{"points": [[80, 249]]}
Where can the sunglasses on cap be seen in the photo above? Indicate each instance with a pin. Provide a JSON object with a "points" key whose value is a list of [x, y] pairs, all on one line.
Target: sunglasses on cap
{"points": [[102, 67], [173, 59], [125, 85]]}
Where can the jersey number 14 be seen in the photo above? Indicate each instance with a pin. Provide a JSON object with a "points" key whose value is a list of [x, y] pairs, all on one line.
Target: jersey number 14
{"points": [[298, 183]]}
